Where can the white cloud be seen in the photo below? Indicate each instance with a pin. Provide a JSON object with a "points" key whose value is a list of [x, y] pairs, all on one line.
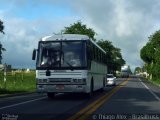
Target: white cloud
{"points": [[22, 37], [127, 23]]}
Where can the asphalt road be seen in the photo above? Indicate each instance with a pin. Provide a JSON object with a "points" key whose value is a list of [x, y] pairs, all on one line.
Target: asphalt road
{"points": [[132, 98]]}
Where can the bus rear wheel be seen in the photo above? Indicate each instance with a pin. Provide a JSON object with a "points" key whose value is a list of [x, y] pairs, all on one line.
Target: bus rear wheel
{"points": [[51, 94]]}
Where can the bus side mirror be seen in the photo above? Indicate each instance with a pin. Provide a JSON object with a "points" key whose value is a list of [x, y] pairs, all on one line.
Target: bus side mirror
{"points": [[34, 54]]}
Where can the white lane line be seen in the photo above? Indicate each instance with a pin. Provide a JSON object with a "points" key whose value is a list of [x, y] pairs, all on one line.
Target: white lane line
{"points": [[149, 90], [23, 96], [21, 103]]}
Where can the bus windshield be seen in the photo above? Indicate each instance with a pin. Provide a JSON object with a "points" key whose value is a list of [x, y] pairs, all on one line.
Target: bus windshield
{"points": [[68, 54]]}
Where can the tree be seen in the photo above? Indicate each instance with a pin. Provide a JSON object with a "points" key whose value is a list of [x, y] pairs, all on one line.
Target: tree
{"points": [[1, 47], [1, 27], [114, 57], [150, 54], [79, 28], [137, 70], [147, 53]]}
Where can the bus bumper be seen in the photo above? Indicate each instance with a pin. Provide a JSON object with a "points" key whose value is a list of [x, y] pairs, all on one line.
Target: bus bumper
{"points": [[62, 88]]}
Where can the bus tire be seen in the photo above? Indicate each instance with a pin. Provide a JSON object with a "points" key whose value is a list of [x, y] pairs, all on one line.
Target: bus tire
{"points": [[104, 82], [51, 94], [104, 85], [90, 94], [114, 84]]}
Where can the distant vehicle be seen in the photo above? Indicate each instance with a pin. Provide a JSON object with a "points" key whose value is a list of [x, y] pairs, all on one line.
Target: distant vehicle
{"points": [[111, 80], [125, 71], [69, 63]]}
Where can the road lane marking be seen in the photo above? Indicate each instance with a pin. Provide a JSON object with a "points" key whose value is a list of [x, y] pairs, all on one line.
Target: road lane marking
{"points": [[20, 96], [87, 111], [21, 103], [149, 90]]}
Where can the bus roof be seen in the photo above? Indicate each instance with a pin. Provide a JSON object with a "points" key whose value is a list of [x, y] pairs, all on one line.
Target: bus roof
{"points": [[65, 37], [70, 37]]}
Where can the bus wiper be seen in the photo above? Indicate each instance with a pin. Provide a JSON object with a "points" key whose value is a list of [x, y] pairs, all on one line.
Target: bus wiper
{"points": [[69, 65], [66, 61]]}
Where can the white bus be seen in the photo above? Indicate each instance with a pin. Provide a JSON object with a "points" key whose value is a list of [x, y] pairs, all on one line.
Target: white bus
{"points": [[69, 63]]}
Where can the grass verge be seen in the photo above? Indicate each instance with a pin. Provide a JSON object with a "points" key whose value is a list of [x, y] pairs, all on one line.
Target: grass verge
{"points": [[17, 82], [155, 81]]}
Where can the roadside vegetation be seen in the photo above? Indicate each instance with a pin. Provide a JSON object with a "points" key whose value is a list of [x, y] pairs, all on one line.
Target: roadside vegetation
{"points": [[17, 82], [150, 54]]}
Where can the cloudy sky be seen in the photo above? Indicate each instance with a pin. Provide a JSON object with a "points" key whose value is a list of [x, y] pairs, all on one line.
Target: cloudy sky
{"points": [[127, 23]]}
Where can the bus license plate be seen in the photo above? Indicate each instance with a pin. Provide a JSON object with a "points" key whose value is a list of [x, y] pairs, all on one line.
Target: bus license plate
{"points": [[59, 86]]}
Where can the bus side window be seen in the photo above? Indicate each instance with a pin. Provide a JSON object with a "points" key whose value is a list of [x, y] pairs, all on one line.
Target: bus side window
{"points": [[96, 54], [90, 52]]}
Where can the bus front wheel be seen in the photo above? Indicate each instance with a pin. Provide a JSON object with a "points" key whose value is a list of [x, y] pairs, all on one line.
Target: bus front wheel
{"points": [[104, 85], [90, 94]]}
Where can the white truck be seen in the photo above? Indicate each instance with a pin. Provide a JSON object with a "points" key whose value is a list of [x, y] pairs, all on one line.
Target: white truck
{"points": [[125, 71]]}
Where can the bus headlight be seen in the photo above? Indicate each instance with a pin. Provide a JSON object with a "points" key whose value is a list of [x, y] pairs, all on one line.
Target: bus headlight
{"points": [[42, 80], [84, 81], [75, 80], [81, 81]]}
